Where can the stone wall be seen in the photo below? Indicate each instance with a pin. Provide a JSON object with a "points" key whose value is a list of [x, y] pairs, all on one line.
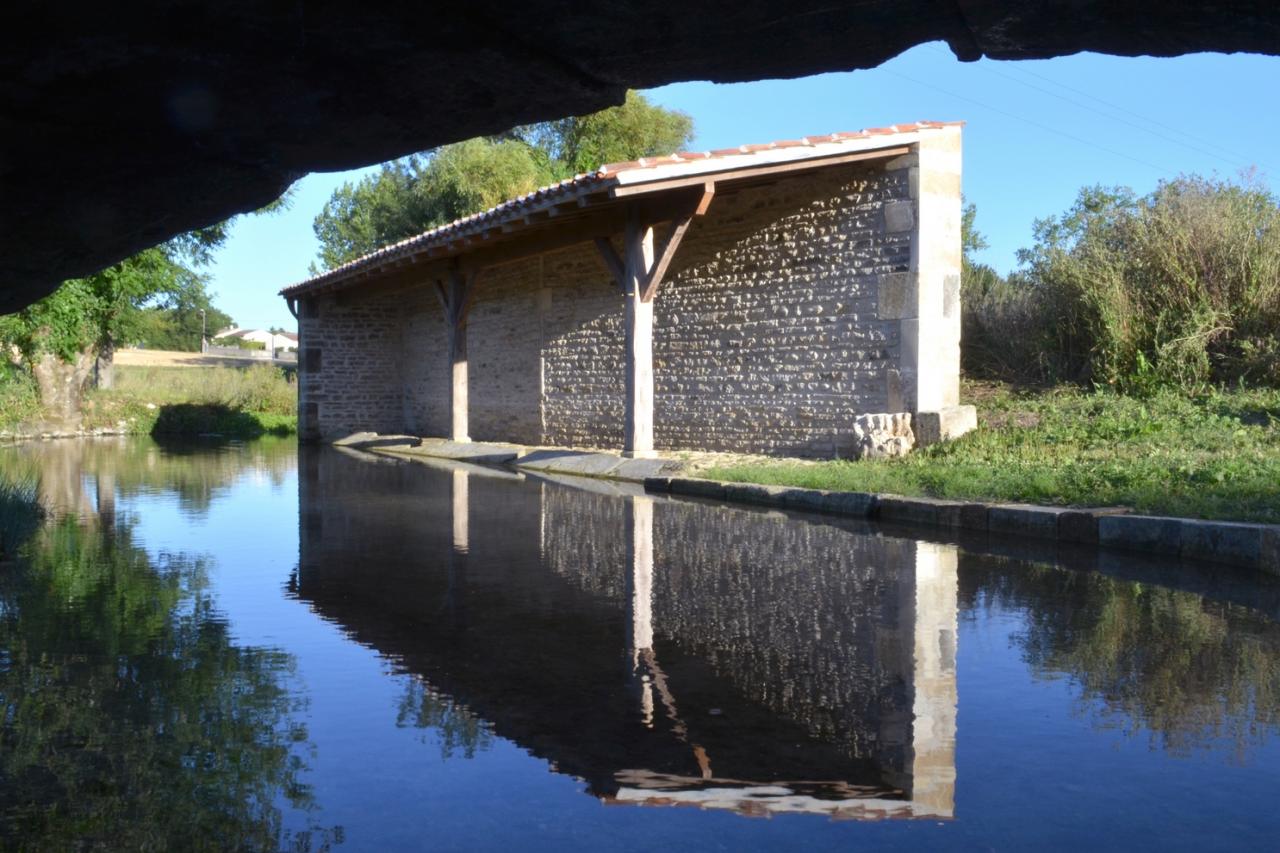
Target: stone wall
{"points": [[349, 376], [791, 308]]}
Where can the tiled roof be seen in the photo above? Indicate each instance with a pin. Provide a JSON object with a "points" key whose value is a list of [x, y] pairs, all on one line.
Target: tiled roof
{"points": [[616, 174]]}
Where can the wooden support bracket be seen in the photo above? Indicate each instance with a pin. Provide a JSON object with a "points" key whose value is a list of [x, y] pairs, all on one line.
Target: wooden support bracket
{"points": [[612, 262], [675, 236]]}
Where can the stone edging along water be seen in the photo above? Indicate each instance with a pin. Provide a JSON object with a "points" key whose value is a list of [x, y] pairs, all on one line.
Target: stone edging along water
{"points": [[1254, 546]]}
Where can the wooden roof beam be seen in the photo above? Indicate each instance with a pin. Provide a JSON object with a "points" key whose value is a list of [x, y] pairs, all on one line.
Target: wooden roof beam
{"points": [[628, 190]]}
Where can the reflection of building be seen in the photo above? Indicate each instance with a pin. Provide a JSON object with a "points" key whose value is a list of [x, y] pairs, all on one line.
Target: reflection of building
{"points": [[664, 652]]}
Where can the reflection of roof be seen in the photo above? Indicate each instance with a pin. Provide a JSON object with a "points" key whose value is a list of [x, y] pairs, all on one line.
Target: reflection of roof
{"points": [[837, 799], [605, 182]]}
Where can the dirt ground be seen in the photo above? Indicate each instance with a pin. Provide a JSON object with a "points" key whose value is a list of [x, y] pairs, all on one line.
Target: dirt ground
{"points": [[162, 358]]}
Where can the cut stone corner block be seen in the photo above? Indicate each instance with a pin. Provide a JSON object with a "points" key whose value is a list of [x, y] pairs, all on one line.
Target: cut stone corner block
{"points": [[943, 424], [882, 435]]}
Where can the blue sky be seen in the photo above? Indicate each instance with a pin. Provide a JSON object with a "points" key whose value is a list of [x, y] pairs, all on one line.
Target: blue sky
{"points": [[1037, 132]]}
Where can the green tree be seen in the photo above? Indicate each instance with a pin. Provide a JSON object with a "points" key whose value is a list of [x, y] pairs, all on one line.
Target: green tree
{"points": [[1178, 288], [68, 339], [408, 196]]}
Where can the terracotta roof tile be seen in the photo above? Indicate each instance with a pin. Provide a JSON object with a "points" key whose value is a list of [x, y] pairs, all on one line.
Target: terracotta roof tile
{"points": [[582, 184]]}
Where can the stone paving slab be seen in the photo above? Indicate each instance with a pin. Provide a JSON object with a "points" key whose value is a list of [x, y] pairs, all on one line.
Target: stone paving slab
{"points": [[586, 463]]}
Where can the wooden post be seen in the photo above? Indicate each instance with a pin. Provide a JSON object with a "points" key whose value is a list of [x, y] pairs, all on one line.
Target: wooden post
{"points": [[639, 274], [456, 300], [638, 435]]}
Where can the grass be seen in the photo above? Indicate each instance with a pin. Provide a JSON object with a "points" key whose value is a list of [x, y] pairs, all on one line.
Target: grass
{"points": [[20, 515], [240, 402], [1214, 456]]}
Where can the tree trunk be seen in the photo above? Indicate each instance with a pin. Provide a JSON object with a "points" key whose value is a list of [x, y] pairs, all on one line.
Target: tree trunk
{"points": [[62, 385], [104, 372]]}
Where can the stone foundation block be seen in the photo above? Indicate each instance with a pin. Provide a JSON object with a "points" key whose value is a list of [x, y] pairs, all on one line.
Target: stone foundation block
{"points": [[953, 513], [806, 499], [950, 422], [713, 489], [1081, 525], [752, 494], [1024, 520], [1222, 541], [880, 436], [1269, 559], [1141, 533], [657, 484], [908, 510], [856, 504]]}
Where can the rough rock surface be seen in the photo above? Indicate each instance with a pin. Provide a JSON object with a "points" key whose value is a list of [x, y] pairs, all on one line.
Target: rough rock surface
{"points": [[123, 124], [881, 436]]}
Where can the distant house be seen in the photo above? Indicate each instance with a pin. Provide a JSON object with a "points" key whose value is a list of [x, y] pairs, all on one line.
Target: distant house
{"points": [[759, 299], [271, 341]]}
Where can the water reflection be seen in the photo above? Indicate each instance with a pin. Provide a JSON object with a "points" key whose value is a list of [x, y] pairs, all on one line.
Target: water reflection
{"points": [[1192, 672], [129, 719], [662, 652], [86, 477]]}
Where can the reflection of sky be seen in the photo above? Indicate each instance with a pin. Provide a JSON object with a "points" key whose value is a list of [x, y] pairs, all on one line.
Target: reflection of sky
{"points": [[1033, 770]]}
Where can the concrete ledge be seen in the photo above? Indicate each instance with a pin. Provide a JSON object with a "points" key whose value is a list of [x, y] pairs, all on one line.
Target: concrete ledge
{"points": [[1254, 546], [1154, 534], [1222, 541], [1024, 520], [713, 489]]}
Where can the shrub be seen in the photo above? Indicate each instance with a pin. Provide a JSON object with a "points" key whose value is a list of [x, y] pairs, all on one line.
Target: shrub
{"points": [[1180, 288]]}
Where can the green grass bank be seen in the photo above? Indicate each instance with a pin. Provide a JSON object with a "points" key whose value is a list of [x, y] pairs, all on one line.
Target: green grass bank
{"points": [[234, 402], [1213, 456]]}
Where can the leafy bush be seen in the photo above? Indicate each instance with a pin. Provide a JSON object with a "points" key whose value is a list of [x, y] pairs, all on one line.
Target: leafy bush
{"points": [[19, 397], [1180, 288]]}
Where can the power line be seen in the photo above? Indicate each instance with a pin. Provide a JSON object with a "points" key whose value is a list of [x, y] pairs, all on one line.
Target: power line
{"points": [[1236, 160], [1048, 128]]}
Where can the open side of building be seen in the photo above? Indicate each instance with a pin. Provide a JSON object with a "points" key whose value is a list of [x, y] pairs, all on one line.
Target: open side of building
{"points": [[751, 300]]}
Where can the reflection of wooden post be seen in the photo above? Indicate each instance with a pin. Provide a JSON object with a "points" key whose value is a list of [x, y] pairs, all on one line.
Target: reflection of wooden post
{"points": [[933, 734], [640, 597], [461, 513]]}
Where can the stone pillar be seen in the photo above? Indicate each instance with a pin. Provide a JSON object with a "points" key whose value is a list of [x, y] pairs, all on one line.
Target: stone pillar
{"points": [[925, 300], [458, 389], [933, 728], [638, 433]]}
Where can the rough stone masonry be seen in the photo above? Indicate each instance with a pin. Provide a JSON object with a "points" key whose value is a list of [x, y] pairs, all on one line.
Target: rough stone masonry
{"points": [[792, 308]]}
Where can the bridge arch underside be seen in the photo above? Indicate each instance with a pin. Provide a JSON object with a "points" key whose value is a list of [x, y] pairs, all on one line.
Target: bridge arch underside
{"points": [[790, 308]]}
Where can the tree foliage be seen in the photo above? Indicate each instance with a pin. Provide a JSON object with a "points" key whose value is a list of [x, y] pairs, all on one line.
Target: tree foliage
{"points": [[128, 716], [1178, 288], [410, 195]]}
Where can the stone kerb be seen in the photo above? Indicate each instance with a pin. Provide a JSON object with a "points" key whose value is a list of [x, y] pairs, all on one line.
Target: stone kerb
{"points": [[1253, 546]]}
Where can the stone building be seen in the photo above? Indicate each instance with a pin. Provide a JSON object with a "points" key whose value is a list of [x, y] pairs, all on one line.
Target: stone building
{"points": [[755, 299]]}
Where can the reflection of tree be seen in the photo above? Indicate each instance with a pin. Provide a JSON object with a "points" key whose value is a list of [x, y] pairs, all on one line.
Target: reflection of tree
{"points": [[454, 726], [128, 718], [194, 471], [1187, 668]]}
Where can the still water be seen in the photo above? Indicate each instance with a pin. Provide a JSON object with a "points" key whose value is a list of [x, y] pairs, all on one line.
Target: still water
{"points": [[256, 647]]}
